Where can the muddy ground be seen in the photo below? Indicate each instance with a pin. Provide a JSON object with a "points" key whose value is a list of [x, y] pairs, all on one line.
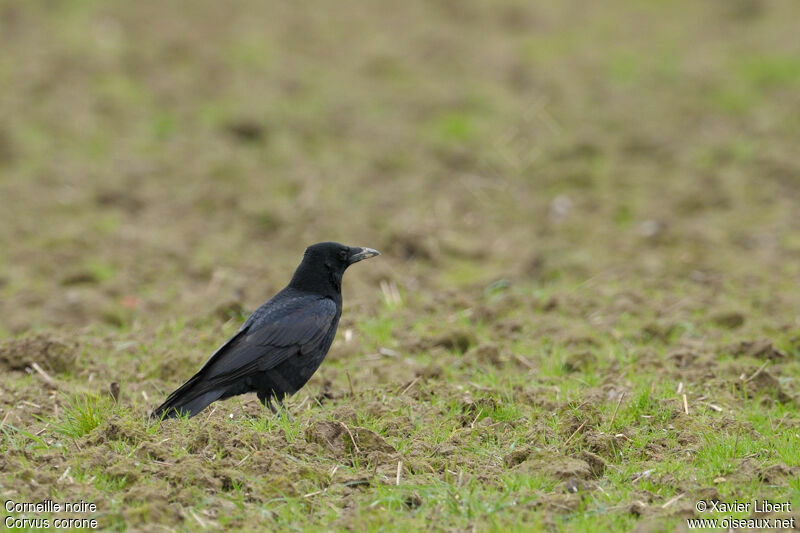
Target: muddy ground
{"points": [[585, 316]]}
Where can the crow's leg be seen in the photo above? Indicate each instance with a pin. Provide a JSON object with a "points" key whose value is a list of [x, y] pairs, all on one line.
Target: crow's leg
{"points": [[266, 400], [285, 411]]}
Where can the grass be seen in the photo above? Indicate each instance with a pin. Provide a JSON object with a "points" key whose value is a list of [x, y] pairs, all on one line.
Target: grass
{"points": [[82, 414], [477, 444]]}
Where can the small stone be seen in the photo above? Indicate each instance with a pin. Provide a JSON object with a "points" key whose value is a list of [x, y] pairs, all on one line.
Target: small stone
{"points": [[572, 485], [113, 390]]}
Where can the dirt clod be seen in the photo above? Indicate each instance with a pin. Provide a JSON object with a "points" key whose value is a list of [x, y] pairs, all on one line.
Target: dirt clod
{"points": [[552, 464], [760, 349], [572, 485], [413, 500], [246, 130], [459, 340], [344, 440], [51, 353], [486, 353], [764, 383], [577, 361], [730, 320], [597, 465], [413, 246], [113, 390]]}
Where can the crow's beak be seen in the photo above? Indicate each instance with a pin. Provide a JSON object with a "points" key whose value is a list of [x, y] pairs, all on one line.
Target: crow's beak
{"points": [[357, 254]]}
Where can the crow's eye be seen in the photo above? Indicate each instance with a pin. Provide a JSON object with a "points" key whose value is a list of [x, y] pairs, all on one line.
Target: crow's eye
{"points": [[343, 255]]}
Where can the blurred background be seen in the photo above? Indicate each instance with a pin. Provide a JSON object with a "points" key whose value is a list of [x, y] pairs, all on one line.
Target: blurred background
{"points": [[174, 159]]}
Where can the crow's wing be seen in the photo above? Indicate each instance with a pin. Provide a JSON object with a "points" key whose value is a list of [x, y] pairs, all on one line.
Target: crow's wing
{"points": [[277, 331], [290, 324]]}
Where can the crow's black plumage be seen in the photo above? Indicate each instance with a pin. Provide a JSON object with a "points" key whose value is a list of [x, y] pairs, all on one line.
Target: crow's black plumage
{"points": [[283, 342]]}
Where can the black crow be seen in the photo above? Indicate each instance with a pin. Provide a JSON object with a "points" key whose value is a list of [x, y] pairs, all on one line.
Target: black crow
{"points": [[282, 344]]}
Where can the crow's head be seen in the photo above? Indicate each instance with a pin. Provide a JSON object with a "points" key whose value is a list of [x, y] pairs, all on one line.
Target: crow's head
{"points": [[324, 264]]}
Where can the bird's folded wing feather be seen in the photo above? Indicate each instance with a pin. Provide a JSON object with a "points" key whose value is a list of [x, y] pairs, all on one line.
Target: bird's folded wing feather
{"points": [[294, 326]]}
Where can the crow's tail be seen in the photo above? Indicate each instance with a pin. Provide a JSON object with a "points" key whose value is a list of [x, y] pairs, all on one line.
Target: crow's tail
{"points": [[189, 399]]}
